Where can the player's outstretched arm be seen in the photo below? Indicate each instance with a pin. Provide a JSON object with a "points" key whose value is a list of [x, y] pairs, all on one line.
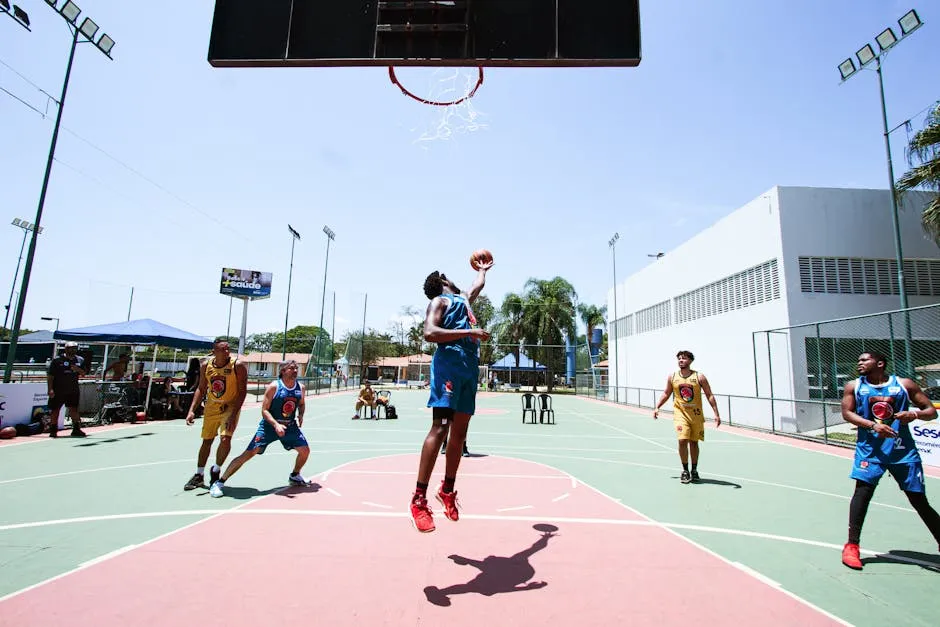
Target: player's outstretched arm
{"points": [[707, 391], [923, 407], [479, 282], [667, 392]]}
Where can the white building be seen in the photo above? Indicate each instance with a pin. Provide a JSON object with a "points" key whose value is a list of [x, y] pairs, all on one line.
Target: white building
{"points": [[793, 255]]}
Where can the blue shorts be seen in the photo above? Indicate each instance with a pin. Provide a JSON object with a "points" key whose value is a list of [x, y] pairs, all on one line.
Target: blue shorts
{"points": [[909, 475], [454, 389], [293, 438]]}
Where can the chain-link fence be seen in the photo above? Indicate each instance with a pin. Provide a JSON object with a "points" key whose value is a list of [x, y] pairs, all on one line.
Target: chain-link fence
{"points": [[802, 370]]}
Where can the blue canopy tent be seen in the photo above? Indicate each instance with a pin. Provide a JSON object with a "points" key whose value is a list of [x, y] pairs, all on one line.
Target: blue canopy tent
{"points": [[508, 364], [136, 332]]}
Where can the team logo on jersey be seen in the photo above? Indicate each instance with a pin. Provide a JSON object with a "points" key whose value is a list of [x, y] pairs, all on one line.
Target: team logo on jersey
{"points": [[863, 464], [217, 385], [288, 407], [686, 392], [881, 407], [448, 388]]}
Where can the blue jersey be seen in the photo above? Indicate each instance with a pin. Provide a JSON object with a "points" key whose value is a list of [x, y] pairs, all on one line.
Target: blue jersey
{"points": [[870, 445], [284, 405], [464, 352]]}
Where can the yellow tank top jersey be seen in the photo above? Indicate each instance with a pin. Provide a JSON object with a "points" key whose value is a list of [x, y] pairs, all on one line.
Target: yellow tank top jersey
{"points": [[222, 386], [687, 395]]}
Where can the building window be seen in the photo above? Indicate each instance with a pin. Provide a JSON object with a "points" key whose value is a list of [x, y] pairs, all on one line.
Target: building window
{"points": [[875, 277], [750, 287]]}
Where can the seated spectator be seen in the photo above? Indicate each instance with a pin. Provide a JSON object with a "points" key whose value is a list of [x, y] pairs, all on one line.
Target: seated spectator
{"points": [[366, 398]]}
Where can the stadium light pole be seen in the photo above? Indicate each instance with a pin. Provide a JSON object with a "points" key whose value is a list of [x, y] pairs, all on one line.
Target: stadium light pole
{"points": [[15, 13], [68, 11], [886, 40], [27, 227], [50, 319], [612, 336], [330, 236], [295, 237]]}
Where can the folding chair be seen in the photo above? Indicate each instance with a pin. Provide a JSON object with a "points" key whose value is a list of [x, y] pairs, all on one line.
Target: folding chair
{"points": [[382, 408], [528, 405], [545, 409]]}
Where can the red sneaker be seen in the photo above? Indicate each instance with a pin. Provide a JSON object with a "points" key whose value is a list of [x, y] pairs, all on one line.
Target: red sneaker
{"points": [[850, 556], [421, 516], [448, 501]]}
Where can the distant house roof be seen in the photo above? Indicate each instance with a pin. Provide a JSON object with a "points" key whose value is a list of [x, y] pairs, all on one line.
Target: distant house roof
{"points": [[402, 362], [601, 364], [38, 337], [273, 358]]}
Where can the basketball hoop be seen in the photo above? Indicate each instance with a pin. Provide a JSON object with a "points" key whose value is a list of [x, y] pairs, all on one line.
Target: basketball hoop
{"points": [[435, 103]]}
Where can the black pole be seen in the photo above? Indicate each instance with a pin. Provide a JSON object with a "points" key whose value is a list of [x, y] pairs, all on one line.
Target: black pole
{"points": [[21, 300], [290, 276], [6, 317]]}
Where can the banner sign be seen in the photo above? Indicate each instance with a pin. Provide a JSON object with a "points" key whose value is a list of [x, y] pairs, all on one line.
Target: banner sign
{"points": [[246, 283], [927, 438], [23, 403]]}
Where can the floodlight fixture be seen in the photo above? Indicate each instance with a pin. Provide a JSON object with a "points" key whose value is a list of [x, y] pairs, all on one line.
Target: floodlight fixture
{"points": [[330, 234], [886, 39], [20, 15], [293, 232], [70, 11], [865, 55], [909, 22], [105, 44], [89, 29], [16, 221], [51, 3], [5, 5], [614, 239], [847, 68]]}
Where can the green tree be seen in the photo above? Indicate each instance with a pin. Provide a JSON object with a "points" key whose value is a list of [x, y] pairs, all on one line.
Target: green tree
{"points": [[592, 316], [923, 155], [507, 331], [485, 313], [548, 317]]}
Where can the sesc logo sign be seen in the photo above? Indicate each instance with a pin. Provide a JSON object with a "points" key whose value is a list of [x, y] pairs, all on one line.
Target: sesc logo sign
{"points": [[927, 432]]}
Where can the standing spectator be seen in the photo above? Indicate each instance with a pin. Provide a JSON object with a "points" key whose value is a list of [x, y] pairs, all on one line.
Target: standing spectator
{"points": [[62, 378]]}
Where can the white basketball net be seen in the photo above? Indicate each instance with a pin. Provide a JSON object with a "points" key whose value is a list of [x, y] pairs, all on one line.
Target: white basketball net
{"points": [[447, 84]]}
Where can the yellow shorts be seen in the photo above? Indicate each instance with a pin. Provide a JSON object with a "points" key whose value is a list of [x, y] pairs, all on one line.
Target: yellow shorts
{"points": [[689, 428], [213, 425]]}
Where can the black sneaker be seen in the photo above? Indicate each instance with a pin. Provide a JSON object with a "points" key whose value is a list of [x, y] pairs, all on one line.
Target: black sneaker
{"points": [[684, 477], [196, 481], [78, 433], [695, 476], [466, 452], [214, 475]]}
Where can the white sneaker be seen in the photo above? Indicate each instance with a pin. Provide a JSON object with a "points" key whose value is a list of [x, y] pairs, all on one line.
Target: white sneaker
{"points": [[216, 490], [297, 480]]}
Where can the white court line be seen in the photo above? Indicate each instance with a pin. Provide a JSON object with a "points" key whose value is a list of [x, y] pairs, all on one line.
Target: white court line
{"points": [[107, 556], [711, 474], [463, 474], [619, 522], [561, 498], [333, 492], [371, 504], [515, 509], [210, 514], [35, 439], [634, 435]]}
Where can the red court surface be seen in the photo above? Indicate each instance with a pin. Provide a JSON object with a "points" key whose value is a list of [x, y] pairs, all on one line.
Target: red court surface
{"points": [[343, 552]]}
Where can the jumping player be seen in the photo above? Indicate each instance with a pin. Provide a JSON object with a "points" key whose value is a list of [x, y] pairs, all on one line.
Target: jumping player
{"points": [[282, 416], [223, 382], [882, 406], [450, 323], [686, 386]]}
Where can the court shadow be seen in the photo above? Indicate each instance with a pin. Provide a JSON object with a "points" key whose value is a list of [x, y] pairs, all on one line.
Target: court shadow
{"points": [[97, 442], [927, 561], [497, 574], [729, 484], [243, 494], [477, 455], [294, 490]]}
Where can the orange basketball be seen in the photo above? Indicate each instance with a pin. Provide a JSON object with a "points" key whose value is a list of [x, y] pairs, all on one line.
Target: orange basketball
{"points": [[7, 433], [478, 256]]}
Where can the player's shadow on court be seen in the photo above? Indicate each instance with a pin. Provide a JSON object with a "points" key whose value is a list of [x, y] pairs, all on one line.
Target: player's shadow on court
{"points": [[900, 557], [245, 493], [497, 574], [294, 490], [728, 484], [97, 442]]}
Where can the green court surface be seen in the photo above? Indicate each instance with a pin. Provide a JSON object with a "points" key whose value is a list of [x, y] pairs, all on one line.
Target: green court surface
{"points": [[773, 507]]}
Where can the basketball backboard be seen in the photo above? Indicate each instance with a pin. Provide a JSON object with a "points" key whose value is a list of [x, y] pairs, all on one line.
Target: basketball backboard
{"points": [[486, 33]]}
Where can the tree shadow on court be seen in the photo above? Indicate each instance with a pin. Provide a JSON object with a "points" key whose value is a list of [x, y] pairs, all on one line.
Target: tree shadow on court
{"points": [[497, 574], [901, 557], [97, 442]]}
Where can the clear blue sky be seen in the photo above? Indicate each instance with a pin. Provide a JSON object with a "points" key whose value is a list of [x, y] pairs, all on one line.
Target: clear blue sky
{"points": [[731, 98]]}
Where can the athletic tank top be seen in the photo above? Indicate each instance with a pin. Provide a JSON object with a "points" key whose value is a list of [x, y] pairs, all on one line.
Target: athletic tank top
{"points": [[687, 396], [223, 385], [458, 315], [892, 393], [286, 400]]}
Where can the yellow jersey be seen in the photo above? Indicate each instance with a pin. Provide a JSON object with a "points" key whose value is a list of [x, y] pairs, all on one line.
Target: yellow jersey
{"points": [[222, 386], [687, 396]]}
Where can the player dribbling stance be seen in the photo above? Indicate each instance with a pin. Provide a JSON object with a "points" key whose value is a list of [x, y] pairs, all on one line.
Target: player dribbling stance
{"points": [[282, 414]]}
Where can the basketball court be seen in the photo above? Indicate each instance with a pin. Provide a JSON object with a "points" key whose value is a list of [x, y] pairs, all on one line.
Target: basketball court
{"points": [[581, 520]]}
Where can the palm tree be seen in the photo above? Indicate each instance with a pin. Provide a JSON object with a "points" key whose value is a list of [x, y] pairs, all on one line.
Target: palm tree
{"points": [[923, 154], [592, 316], [508, 328], [548, 316]]}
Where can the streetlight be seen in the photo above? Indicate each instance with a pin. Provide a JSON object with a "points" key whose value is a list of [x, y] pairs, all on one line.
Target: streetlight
{"points": [[295, 236], [886, 40], [69, 11], [17, 14], [656, 255], [50, 318], [27, 227], [614, 335], [330, 236]]}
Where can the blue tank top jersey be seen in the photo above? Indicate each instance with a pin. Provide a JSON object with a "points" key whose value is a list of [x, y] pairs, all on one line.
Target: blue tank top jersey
{"points": [[284, 405], [901, 449], [464, 351]]}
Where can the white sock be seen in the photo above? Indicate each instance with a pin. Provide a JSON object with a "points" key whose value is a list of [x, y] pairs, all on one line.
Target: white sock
{"points": [[200, 470], [215, 468]]}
